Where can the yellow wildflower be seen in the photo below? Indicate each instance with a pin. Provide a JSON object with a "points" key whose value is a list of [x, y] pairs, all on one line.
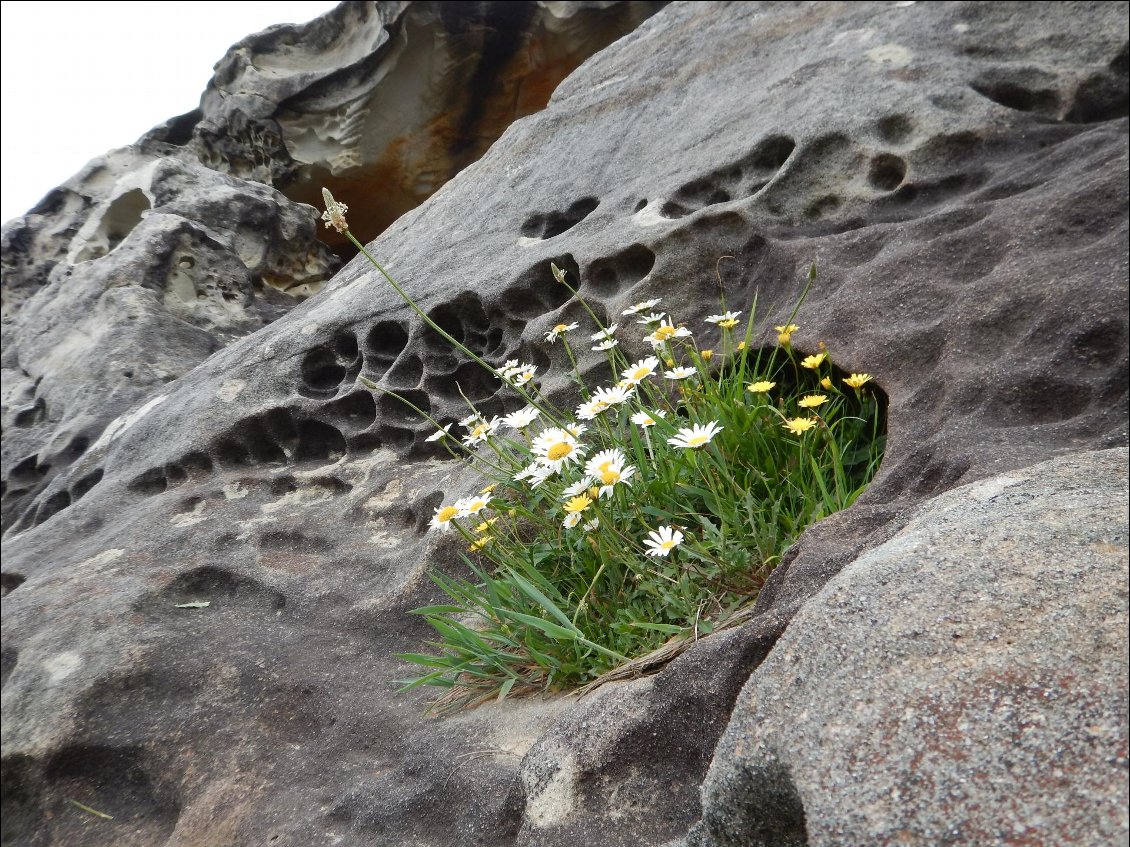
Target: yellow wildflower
{"points": [[857, 380], [826, 383], [813, 362], [799, 426], [578, 503], [707, 355], [811, 401], [763, 387]]}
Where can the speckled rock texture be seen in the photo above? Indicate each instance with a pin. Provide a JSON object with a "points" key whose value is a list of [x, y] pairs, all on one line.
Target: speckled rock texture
{"points": [[958, 172], [963, 683]]}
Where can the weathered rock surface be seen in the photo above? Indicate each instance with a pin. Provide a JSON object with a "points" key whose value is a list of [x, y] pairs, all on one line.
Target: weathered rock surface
{"points": [[957, 171], [963, 683]]}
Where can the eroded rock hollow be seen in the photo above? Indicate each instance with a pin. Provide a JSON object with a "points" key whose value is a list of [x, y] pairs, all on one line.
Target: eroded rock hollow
{"points": [[942, 663]]}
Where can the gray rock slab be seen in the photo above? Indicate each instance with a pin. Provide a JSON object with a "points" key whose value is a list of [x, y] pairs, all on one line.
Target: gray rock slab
{"points": [[963, 683]]}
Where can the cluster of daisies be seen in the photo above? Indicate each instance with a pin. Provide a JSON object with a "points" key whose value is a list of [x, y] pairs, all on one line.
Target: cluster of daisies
{"points": [[559, 452]]}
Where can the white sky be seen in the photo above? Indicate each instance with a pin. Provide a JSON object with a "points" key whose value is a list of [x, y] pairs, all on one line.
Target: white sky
{"points": [[81, 78]]}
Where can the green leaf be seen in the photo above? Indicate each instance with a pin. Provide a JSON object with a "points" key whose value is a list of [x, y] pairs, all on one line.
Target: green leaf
{"points": [[666, 628]]}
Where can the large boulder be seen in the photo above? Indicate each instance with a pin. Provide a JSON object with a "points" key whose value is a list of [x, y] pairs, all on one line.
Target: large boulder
{"points": [[963, 683], [958, 174]]}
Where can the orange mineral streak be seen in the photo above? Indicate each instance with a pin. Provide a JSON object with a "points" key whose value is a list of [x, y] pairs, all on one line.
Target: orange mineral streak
{"points": [[413, 166]]}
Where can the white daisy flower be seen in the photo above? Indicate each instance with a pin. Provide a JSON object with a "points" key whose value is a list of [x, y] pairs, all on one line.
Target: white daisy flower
{"points": [[604, 460], [576, 430], [681, 372], [641, 306], [616, 477], [695, 436], [559, 330], [571, 520], [605, 345], [471, 505], [641, 370], [481, 431], [439, 433], [470, 421], [527, 472], [609, 469], [523, 375], [663, 542], [605, 333], [556, 448], [589, 410], [591, 525], [653, 318], [726, 320], [542, 473], [665, 332], [443, 517], [579, 487], [647, 418], [506, 370], [522, 418], [612, 396]]}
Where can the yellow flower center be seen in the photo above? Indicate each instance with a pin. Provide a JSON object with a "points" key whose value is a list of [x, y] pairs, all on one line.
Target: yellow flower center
{"points": [[640, 373], [664, 332], [667, 545], [446, 514], [479, 430], [609, 477], [697, 440], [729, 323], [560, 328], [559, 451]]}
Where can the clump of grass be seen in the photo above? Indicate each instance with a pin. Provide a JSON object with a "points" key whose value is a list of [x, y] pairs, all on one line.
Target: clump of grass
{"points": [[650, 514]]}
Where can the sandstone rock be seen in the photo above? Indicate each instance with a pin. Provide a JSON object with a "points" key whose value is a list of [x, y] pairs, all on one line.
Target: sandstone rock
{"points": [[958, 173], [963, 683], [385, 102]]}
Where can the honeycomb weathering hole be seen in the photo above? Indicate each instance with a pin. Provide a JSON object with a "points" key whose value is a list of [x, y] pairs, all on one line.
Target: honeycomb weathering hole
{"points": [[771, 153], [357, 410], [393, 411], [318, 441], [386, 339], [616, 274], [10, 581], [887, 172], [321, 371], [551, 224]]}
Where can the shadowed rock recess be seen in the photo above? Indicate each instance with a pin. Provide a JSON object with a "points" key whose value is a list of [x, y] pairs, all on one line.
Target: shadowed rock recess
{"points": [[942, 663]]}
